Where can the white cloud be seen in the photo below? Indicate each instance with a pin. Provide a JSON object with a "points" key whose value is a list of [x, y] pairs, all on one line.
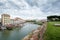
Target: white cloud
{"points": [[3, 0], [21, 8]]}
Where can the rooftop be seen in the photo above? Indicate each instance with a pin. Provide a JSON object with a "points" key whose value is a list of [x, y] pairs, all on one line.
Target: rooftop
{"points": [[5, 15]]}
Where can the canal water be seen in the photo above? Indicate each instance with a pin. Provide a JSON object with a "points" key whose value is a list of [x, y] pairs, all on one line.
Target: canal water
{"points": [[18, 33]]}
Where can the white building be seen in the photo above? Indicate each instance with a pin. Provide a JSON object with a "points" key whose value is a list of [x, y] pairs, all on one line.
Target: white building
{"points": [[18, 21], [5, 19], [0, 19], [11, 21]]}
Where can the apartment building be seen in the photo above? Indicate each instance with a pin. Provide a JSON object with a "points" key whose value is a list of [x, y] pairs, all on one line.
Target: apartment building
{"points": [[5, 19]]}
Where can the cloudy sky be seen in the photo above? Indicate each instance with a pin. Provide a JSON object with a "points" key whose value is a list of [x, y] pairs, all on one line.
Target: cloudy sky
{"points": [[30, 9]]}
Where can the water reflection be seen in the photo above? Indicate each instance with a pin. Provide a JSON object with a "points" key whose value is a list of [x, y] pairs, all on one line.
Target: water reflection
{"points": [[17, 34]]}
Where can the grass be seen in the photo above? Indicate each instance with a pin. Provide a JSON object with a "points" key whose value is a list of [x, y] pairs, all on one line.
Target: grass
{"points": [[52, 32]]}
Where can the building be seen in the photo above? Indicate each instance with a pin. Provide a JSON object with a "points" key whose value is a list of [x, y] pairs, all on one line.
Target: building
{"points": [[0, 22], [11, 21], [5, 19], [0, 19], [18, 21]]}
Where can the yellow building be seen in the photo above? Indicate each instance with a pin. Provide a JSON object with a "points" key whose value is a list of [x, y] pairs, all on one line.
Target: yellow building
{"points": [[5, 19]]}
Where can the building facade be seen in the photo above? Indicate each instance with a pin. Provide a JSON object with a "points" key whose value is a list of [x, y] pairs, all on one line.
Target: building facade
{"points": [[0, 22], [11, 21], [0, 19], [18, 21], [5, 19]]}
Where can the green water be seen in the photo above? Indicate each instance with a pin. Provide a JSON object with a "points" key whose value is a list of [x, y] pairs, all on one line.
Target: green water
{"points": [[18, 33]]}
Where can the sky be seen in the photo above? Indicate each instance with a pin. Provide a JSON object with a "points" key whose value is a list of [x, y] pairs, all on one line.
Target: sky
{"points": [[30, 9]]}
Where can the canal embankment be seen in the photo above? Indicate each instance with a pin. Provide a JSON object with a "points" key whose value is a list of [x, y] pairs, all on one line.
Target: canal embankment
{"points": [[37, 34]]}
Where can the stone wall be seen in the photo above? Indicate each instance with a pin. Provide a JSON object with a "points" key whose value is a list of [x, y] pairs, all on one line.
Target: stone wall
{"points": [[37, 34]]}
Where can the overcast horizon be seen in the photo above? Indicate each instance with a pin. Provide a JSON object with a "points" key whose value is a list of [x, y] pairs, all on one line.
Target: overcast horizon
{"points": [[30, 9]]}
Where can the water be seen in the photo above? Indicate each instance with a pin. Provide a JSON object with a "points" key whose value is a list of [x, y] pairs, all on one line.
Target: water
{"points": [[18, 34]]}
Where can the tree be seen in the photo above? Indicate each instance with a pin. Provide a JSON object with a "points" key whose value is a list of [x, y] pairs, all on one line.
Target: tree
{"points": [[53, 18]]}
